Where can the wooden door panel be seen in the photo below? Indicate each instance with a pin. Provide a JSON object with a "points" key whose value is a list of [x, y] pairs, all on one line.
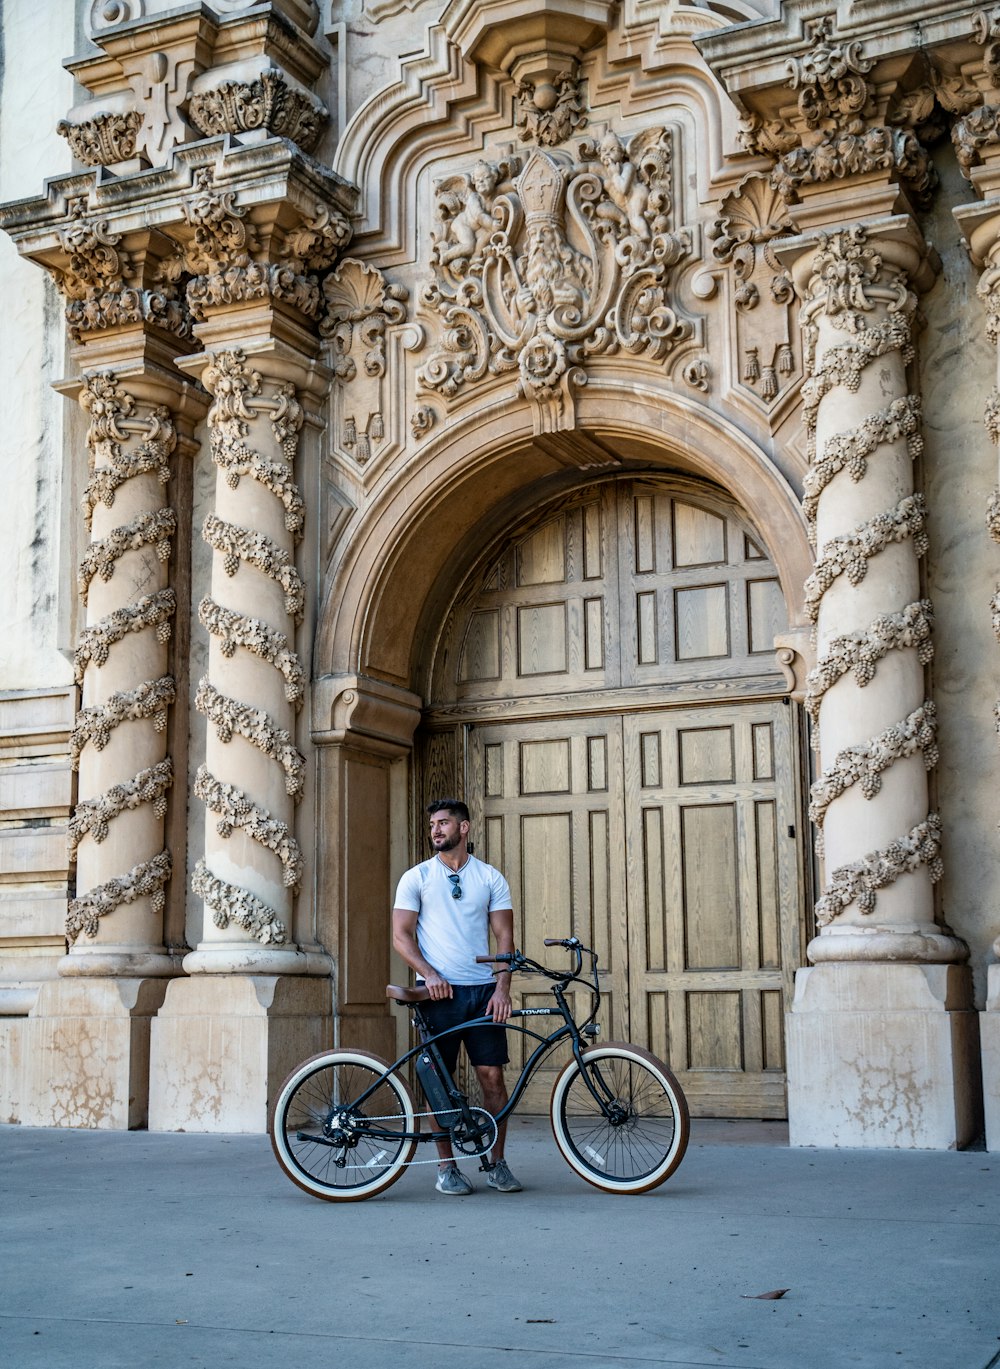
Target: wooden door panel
{"points": [[552, 817], [712, 880]]}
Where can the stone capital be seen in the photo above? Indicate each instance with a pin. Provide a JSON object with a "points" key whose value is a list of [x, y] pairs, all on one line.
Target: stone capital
{"points": [[836, 103], [164, 252], [893, 245], [371, 712]]}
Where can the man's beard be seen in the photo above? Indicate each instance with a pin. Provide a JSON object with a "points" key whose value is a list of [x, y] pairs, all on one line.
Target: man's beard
{"points": [[447, 843]]}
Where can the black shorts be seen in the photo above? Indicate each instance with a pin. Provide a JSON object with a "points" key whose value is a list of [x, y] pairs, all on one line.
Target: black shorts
{"points": [[485, 1045]]}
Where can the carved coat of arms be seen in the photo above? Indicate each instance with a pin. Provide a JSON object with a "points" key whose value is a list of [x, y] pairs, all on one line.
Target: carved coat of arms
{"points": [[537, 269]]}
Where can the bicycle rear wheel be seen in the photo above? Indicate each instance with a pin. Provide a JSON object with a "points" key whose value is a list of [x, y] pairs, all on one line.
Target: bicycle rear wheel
{"points": [[643, 1140], [319, 1135]]}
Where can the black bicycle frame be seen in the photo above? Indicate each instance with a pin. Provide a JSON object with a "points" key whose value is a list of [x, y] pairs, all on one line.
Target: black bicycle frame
{"points": [[569, 1030]]}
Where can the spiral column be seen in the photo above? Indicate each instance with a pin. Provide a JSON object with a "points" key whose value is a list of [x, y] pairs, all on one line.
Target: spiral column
{"points": [[886, 975], [253, 773], [116, 834]]}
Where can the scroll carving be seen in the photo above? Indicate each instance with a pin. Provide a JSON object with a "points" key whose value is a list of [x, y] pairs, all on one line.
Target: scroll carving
{"points": [[267, 103], [537, 271], [103, 140], [978, 132], [99, 280], [228, 262]]}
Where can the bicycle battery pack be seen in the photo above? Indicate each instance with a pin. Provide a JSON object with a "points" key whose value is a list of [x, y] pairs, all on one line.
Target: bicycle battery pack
{"points": [[435, 1092]]}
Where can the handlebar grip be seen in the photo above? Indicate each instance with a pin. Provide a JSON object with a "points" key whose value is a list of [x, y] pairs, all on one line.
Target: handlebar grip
{"points": [[489, 959]]}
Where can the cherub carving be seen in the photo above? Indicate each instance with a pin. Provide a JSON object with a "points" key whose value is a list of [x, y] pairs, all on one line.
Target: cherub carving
{"points": [[637, 183], [465, 208]]}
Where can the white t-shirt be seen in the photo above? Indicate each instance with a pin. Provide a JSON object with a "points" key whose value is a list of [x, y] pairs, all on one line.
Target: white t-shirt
{"points": [[451, 932]]}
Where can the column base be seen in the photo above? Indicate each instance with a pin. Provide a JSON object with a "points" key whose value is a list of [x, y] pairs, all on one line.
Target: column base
{"points": [[119, 963], [989, 1035], [248, 958], [221, 1046], [883, 1055], [81, 1058]]}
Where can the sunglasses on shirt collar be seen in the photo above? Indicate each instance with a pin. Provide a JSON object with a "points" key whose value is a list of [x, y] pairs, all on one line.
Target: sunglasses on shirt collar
{"points": [[456, 887]]}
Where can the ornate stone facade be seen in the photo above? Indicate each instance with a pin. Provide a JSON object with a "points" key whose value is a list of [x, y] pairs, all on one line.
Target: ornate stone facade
{"points": [[356, 340]]}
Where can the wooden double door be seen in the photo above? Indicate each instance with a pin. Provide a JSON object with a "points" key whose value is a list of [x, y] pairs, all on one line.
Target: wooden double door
{"points": [[632, 766]]}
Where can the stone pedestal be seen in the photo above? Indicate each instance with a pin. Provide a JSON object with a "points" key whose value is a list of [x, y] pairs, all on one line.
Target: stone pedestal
{"points": [[883, 1055], [84, 1053], [989, 1034], [222, 1045]]}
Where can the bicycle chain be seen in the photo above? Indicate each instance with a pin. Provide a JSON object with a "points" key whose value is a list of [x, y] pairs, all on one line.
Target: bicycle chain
{"points": [[458, 1159]]}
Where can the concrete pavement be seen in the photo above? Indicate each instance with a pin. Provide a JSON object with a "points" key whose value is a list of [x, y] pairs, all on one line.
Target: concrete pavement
{"points": [[125, 1249]]}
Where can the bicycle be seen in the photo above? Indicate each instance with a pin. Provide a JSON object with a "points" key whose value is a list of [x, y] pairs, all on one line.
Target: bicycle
{"points": [[344, 1125]]}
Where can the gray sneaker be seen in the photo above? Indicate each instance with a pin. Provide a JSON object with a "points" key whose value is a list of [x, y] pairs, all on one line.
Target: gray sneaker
{"points": [[500, 1178], [454, 1182]]}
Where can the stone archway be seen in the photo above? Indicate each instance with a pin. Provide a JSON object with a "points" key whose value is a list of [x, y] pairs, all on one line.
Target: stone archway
{"points": [[604, 695], [402, 565]]}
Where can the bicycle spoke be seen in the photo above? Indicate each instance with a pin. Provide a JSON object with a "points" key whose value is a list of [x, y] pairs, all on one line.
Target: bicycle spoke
{"points": [[630, 1140], [319, 1131]]}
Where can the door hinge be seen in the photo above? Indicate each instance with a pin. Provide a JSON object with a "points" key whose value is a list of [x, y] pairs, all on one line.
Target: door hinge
{"points": [[791, 831]]}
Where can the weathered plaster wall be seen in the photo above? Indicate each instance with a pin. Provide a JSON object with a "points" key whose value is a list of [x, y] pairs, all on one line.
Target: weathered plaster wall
{"points": [[36, 542]]}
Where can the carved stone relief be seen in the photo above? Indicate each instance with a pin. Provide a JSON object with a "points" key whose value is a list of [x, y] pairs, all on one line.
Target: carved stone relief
{"points": [[855, 290], [748, 221], [538, 270], [229, 263], [360, 306], [268, 104], [103, 140], [241, 401], [978, 132], [836, 132], [100, 282], [549, 112], [124, 445]]}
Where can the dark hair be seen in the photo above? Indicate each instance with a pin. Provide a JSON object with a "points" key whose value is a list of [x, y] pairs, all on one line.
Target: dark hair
{"points": [[454, 806]]}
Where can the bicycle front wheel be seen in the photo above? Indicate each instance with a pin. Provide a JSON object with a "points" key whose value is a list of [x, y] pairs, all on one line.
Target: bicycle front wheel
{"points": [[641, 1139], [320, 1136]]}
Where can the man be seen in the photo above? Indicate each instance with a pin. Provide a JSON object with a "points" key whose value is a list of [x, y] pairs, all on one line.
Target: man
{"points": [[443, 913]]}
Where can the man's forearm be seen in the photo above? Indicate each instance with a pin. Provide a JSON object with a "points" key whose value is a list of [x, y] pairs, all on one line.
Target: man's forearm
{"points": [[409, 949]]}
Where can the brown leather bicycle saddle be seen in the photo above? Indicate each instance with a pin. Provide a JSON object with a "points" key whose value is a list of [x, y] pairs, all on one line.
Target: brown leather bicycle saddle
{"points": [[419, 994]]}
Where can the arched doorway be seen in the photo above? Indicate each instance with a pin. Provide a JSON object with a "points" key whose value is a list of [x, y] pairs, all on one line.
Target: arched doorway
{"points": [[604, 691]]}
